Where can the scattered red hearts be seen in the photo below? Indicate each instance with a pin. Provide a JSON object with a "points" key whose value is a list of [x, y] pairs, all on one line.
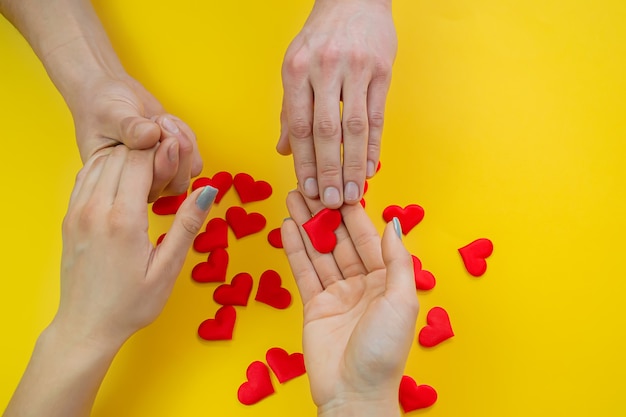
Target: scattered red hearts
{"points": [[270, 291], [250, 190], [169, 204], [409, 217], [284, 365], [215, 236], [321, 229], [243, 223], [438, 328], [214, 269], [475, 256], [275, 239], [414, 397], [424, 280], [258, 386], [236, 293], [222, 181], [221, 327]]}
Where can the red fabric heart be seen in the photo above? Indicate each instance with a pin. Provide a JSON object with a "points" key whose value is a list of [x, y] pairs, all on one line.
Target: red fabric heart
{"points": [[413, 396], [424, 280], [214, 269], [365, 187], [215, 236], [242, 223], [438, 328], [160, 239], [362, 202], [222, 181], [258, 386], [474, 256], [274, 238], [270, 291], [250, 190], [409, 217], [284, 365], [236, 293], [221, 327], [321, 229], [169, 204]]}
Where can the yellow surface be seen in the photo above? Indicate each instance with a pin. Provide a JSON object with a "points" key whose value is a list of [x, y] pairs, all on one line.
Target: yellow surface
{"points": [[505, 120]]}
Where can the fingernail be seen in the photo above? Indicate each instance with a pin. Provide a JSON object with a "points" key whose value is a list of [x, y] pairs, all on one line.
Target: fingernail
{"points": [[352, 192], [310, 188], [172, 152], [206, 197], [371, 169], [331, 196], [286, 218], [169, 125], [397, 227]]}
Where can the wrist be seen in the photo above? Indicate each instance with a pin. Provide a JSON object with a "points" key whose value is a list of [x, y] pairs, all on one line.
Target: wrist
{"points": [[359, 406]]}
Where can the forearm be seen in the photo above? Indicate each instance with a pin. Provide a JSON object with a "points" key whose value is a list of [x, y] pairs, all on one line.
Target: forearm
{"points": [[62, 377]]}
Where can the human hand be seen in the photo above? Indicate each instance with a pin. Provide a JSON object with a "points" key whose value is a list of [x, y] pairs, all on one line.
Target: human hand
{"points": [[344, 53], [360, 308]]}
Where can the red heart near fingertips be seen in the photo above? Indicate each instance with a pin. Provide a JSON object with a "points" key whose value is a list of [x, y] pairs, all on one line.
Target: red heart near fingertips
{"points": [[215, 236], [424, 280], [243, 223], [160, 239], [475, 256], [214, 269], [415, 397], [169, 204], [222, 181], [275, 239], [271, 292], [258, 386], [236, 293], [409, 216], [437, 329], [321, 229], [250, 190], [284, 365], [221, 327]]}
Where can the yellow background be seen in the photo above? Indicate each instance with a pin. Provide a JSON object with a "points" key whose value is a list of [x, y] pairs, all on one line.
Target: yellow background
{"points": [[505, 120]]}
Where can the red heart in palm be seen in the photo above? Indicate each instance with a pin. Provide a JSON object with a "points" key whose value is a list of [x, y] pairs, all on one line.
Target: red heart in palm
{"points": [[221, 327], [438, 328], [409, 217], [270, 291], [258, 385], [169, 204], [214, 269], [274, 238], [215, 236], [474, 256], [236, 293], [222, 181], [284, 365], [424, 280], [415, 397], [243, 223], [321, 229], [250, 190]]}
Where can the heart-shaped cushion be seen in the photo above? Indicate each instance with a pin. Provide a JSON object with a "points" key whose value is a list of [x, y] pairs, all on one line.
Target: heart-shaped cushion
{"points": [[438, 328], [270, 291], [222, 181], [321, 229], [258, 386], [168, 204], [214, 269], [243, 223], [424, 280], [215, 236], [250, 190], [415, 397], [274, 238], [236, 293], [284, 365], [409, 216], [221, 327], [475, 256]]}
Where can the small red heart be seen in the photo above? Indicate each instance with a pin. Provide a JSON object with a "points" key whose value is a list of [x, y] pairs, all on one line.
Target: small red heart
{"points": [[415, 397], [214, 269], [169, 204], [160, 239], [270, 291], [221, 327], [243, 223], [215, 236], [321, 229], [366, 187], [362, 202], [250, 190], [378, 166], [438, 328], [236, 293], [284, 365], [222, 181], [475, 254], [274, 238], [409, 217], [258, 386], [424, 280]]}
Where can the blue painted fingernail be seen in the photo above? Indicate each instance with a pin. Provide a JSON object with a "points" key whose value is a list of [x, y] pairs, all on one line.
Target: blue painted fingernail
{"points": [[397, 227], [206, 198]]}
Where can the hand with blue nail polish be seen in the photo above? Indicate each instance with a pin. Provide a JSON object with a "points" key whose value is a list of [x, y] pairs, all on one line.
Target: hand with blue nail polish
{"points": [[360, 308]]}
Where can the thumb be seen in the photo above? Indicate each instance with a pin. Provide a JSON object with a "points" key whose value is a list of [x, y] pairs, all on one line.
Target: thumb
{"points": [[170, 254], [137, 132]]}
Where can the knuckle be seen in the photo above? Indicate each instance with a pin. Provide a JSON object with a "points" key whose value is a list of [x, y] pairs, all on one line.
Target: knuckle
{"points": [[329, 56], [191, 224], [300, 129], [376, 119], [296, 63], [326, 128], [356, 125], [328, 170]]}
